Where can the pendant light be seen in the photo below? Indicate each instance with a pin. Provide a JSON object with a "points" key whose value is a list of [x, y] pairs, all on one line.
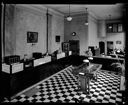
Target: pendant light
{"points": [[86, 17], [110, 20], [69, 18]]}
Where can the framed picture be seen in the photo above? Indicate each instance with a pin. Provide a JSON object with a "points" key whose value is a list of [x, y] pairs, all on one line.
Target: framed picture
{"points": [[32, 37], [57, 38], [118, 42]]}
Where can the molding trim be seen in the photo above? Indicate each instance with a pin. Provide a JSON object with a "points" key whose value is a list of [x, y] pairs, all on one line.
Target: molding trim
{"points": [[39, 8], [51, 11], [92, 18], [31, 8]]}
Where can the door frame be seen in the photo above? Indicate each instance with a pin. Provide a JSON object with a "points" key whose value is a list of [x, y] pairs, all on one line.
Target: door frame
{"points": [[112, 43]]}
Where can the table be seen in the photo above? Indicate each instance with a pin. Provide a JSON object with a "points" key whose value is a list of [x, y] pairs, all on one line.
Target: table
{"points": [[85, 74]]}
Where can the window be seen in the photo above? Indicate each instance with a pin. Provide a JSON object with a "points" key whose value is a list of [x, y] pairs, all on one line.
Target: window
{"points": [[114, 27]]}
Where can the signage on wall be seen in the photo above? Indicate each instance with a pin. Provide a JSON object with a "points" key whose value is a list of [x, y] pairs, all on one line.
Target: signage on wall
{"points": [[57, 38], [118, 42]]}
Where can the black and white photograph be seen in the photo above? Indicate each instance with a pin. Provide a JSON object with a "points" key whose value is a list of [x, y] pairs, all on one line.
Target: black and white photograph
{"points": [[63, 53]]}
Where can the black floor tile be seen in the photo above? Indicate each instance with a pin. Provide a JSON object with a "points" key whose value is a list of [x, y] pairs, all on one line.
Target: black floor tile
{"points": [[62, 88]]}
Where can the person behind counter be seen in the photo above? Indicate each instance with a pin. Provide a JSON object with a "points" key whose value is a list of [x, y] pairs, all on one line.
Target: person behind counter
{"points": [[89, 52]]}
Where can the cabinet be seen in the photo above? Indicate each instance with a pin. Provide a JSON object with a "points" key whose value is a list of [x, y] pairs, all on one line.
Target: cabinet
{"points": [[114, 27], [65, 46]]}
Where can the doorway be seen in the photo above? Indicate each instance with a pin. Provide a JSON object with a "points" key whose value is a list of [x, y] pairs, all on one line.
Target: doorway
{"points": [[110, 47], [102, 47], [74, 46]]}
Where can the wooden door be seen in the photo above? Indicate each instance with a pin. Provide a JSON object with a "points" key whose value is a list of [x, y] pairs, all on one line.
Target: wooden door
{"points": [[74, 46]]}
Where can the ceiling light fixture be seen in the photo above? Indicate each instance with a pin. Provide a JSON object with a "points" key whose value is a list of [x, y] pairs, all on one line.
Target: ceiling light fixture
{"points": [[86, 17], [110, 19], [69, 18]]}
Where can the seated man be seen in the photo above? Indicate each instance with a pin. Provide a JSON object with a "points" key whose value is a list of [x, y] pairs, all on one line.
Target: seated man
{"points": [[89, 52]]}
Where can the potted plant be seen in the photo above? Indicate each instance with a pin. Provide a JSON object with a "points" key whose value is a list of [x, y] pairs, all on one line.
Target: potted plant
{"points": [[118, 67]]}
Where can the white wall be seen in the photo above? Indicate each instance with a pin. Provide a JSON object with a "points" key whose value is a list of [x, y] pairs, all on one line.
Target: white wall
{"points": [[57, 29], [77, 25], [93, 32], [23, 18], [30, 20], [10, 36]]}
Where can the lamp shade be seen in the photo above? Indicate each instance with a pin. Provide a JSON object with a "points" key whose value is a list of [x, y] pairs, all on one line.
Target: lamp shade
{"points": [[90, 58], [69, 18], [86, 23], [86, 60]]}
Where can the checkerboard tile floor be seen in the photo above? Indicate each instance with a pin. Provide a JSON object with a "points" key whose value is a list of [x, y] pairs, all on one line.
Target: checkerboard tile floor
{"points": [[62, 87]]}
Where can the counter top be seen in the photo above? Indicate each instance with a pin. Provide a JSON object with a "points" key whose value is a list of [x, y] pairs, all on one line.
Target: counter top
{"points": [[106, 57]]}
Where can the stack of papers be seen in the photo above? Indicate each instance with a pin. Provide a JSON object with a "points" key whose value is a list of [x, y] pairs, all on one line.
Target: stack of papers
{"points": [[81, 73]]}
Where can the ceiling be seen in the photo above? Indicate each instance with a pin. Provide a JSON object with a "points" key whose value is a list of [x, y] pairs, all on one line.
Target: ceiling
{"points": [[100, 11]]}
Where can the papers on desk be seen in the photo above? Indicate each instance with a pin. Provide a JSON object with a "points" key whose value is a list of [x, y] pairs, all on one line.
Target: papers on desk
{"points": [[86, 61], [81, 73]]}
